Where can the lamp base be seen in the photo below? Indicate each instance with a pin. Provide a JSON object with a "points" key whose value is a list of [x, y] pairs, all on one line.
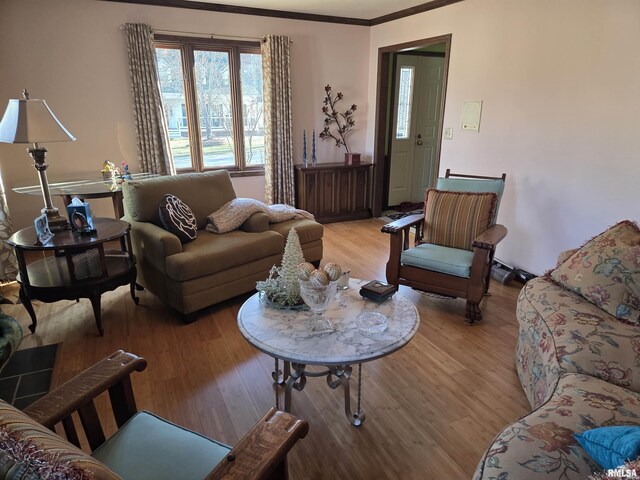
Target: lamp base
{"points": [[57, 223]]}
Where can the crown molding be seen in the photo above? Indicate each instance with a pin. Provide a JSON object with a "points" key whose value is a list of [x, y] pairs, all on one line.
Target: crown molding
{"points": [[407, 12], [265, 12]]}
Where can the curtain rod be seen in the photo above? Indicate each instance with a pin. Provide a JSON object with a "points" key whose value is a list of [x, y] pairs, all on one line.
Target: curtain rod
{"points": [[200, 34], [204, 35]]}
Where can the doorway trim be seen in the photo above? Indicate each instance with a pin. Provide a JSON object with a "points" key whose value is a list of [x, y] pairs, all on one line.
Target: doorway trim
{"points": [[384, 105]]}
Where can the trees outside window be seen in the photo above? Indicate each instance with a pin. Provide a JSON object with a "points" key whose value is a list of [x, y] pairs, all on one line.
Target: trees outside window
{"points": [[212, 96]]}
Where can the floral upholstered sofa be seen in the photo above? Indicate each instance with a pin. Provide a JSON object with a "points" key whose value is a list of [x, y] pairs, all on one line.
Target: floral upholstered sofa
{"points": [[578, 360]]}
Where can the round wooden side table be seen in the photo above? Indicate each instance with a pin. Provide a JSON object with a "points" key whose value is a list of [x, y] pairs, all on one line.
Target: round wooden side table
{"points": [[79, 266]]}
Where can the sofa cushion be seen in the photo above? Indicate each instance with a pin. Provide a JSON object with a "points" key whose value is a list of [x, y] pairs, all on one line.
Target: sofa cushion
{"points": [[308, 230], [611, 446], [606, 271], [455, 219], [211, 253], [177, 218], [452, 261], [148, 447], [561, 332], [204, 193], [542, 443]]}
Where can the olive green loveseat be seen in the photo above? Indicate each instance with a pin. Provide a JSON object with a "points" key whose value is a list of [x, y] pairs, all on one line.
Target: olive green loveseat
{"points": [[213, 267]]}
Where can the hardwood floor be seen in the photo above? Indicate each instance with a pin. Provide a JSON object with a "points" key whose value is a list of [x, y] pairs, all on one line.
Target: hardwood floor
{"points": [[432, 408]]}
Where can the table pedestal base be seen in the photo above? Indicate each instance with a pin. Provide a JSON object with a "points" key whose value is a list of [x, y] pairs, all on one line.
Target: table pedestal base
{"points": [[294, 375]]}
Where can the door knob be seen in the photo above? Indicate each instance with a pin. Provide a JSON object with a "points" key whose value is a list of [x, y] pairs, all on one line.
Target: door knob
{"points": [[419, 141]]}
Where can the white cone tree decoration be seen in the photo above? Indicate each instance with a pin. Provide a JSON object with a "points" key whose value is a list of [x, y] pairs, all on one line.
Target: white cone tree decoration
{"points": [[282, 287]]}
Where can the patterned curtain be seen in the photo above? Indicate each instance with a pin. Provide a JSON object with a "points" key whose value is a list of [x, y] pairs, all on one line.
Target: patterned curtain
{"points": [[8, 262], [278, 141], [154, 152]]}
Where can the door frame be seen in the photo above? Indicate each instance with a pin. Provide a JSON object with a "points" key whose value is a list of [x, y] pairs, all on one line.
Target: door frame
{"points": [[384, 110]]}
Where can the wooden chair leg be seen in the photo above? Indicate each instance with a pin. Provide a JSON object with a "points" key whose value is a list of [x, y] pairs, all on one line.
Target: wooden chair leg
{"points": [[473, 313]]}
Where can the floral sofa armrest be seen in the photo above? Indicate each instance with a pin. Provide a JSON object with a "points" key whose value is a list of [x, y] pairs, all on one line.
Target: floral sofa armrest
{"points": [[566, 255]]}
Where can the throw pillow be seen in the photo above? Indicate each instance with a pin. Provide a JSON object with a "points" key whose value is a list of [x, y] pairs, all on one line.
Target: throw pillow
{"points": [[612, 446], [606, 272], [455, 219], [22, 459], [177, 218]]}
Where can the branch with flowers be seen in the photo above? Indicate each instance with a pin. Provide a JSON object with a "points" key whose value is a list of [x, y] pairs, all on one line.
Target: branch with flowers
{"points": [[344, 122]]}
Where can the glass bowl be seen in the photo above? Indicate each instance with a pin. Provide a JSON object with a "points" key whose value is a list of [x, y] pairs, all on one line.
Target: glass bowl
{"points": [[372, 322], [318, 298]]}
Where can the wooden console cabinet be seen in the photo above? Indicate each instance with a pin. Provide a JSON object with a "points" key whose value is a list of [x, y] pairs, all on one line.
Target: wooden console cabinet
{"points": [[334, 192]]}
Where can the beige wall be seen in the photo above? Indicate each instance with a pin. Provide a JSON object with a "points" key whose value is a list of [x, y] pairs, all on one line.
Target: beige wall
{"points": [[72, 53], [559, 81]]}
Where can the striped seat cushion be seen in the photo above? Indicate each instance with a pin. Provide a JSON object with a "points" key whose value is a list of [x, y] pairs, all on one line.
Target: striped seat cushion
{"points": [[455, 219]]}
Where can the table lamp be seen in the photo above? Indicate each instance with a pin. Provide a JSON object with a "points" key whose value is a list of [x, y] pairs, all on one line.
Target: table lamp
{"points": [[32, 121]]}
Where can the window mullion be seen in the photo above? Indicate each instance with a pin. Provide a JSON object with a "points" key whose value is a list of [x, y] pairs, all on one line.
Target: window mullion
{"points": [[193, 118], [236, 107]]}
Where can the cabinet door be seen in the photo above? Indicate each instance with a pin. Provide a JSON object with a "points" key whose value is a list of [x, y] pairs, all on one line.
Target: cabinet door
{"points": [[327, 201], [343, 192], [360, 189], [309, 191]]}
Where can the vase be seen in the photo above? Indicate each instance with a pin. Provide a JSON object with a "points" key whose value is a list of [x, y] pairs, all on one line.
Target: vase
{"points": [[318, 299], [351, 158]]}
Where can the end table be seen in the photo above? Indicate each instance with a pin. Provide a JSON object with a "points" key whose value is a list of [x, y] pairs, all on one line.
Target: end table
{"points": [[80, 266]]}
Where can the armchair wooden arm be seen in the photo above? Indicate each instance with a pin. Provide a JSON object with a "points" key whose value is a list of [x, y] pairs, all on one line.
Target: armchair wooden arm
{"points": [[403, 223], [112, 374], [488, 239], [399, 231], [261, 453]]}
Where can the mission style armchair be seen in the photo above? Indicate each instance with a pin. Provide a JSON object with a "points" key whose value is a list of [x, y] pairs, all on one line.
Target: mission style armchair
{"points": [[455, 240], [144, 447]]}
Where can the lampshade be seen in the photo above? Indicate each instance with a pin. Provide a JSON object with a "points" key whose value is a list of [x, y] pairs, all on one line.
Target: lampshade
{"points": [[31, 121]]}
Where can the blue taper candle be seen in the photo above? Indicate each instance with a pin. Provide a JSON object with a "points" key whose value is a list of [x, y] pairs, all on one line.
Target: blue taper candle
{"points": [[304, 146], [313, 146]]}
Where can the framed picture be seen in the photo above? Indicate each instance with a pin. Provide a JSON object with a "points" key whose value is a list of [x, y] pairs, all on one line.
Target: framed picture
{"points": [[43, 234]]}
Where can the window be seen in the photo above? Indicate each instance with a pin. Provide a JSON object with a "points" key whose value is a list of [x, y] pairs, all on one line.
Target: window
{"points": [[405, 94], [212, 95]]}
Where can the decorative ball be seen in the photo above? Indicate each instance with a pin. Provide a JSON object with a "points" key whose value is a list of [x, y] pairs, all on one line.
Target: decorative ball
{"points": [[319, 278], [333, 270], [305, 270]]}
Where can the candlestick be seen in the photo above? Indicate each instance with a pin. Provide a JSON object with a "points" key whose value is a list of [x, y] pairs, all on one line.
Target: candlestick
{"points": [[314, 160], [304, 147]]}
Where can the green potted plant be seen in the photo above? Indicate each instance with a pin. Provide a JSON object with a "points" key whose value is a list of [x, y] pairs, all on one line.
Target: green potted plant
{"points": [[338, 124]]}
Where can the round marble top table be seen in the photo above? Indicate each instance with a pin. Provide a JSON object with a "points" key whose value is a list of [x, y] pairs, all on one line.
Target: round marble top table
{"points": [[299, 339]]}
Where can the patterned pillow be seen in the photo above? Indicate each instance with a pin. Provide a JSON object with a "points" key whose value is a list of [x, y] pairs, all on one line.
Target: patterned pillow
{"points": [[31, 451], [177, 218], [455, 219], [606, 272]]}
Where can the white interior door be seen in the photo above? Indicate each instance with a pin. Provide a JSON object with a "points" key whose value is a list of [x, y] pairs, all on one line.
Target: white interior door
{"points": [[416, 119], [402, 141], [427, 109]]}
